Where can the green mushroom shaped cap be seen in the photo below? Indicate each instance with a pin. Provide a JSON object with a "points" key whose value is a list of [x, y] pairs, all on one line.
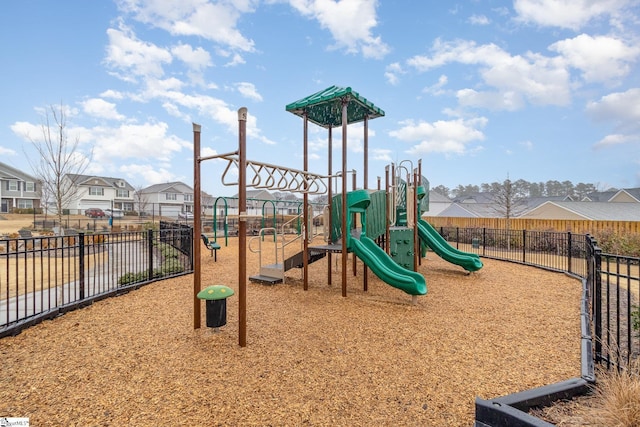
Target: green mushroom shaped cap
{"points": [[215, 292]]}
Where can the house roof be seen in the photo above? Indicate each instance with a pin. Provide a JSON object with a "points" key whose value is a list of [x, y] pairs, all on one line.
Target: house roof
{"points": [[9, 172], [470, 210], [168, 186], [626, 194], [597, 211], [324, 108], [478, 197], [435, 197], [80, 179]]}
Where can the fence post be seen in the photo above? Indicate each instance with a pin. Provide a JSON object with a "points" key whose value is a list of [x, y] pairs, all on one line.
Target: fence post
{"points": [[570, 249], [81, 264], [524, 246], [484, 241], [597, 297], [457, 237], [150, 251]]}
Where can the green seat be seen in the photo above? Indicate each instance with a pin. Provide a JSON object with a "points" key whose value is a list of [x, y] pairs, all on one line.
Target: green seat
{"points": [[212, 246]]}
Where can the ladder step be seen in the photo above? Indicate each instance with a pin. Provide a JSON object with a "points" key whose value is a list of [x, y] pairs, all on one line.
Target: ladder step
{"points": [[265, 280]]}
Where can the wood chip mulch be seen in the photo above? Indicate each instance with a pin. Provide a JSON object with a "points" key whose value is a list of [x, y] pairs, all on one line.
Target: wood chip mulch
{"points": [[312, 357]]}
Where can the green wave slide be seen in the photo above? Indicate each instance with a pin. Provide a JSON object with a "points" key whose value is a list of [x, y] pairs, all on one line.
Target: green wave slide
{"points": [[430, 236], [386, 268]]}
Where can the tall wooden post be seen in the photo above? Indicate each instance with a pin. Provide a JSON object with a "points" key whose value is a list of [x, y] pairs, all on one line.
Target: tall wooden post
{"points": [[242, 227], [345, 103], [197, 271], [305, 204]]}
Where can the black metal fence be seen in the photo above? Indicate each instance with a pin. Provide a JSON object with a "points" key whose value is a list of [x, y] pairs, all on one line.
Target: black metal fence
{"points": [[42, 277], [613, 281]]}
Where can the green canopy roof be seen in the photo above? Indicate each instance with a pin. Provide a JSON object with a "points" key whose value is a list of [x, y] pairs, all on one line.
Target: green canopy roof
{"points": [[324, 108]]}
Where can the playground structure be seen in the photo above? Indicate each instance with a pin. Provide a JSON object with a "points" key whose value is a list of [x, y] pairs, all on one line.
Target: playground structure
{"points": [[361, 221]]}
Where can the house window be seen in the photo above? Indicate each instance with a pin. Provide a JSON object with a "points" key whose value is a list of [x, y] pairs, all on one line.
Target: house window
{"points": [[96, 191], [13, 185], [25, 204], [188, 197], [122, 193], [30, 186], [171, 196]]}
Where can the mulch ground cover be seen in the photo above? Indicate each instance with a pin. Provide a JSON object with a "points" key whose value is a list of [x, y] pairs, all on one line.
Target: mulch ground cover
{"points": [[312, 357]]}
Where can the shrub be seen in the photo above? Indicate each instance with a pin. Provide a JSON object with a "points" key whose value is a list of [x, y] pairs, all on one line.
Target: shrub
{"points": [[619, 244], [617, 399]]}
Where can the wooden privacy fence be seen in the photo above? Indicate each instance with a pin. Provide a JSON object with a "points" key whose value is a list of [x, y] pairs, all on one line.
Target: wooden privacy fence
{"points": [[574, 226]]}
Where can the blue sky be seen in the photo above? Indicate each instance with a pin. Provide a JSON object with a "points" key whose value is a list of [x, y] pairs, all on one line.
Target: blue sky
{"points": [[479, 90]]}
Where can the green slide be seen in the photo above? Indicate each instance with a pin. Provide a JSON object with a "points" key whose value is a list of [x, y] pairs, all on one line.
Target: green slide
{"points": [[429, 235], [386, 268]]}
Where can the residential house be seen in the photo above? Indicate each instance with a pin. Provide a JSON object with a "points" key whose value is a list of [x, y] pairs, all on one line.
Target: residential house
{"points": [[626, 195], [167, 199], [595, 211], [257, 201], [102, 192], [18, 190], [437, 203]]}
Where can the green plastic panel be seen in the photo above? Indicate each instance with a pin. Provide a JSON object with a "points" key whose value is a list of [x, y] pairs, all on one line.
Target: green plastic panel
{"points": [[401, 246]]}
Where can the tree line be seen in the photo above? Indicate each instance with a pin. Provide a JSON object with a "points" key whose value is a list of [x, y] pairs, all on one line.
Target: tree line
{"points": [[522, 189]]}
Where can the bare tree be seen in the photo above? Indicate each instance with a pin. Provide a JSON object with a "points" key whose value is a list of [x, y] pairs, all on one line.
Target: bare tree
{"points": [[59, 161], [508, 202], [140, 199]]}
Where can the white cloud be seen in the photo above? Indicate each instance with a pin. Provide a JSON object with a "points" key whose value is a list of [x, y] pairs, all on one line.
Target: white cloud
{"points": [[236, 59], [196, 59], [4, 151], [381, 154], [442, 136], [132, 58], [392, 72], [616, 139], [622, 108], [248, 90], [532, 77], [498, 100], [148, 174], [479, 20], [350, 22], [212, 21], [600, 58], [437, 88], [571, 14], [113, 94], [100, 108]]}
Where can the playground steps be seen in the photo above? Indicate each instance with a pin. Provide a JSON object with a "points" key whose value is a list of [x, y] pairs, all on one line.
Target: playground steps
{"points": [[274, 273], [297, 260]]}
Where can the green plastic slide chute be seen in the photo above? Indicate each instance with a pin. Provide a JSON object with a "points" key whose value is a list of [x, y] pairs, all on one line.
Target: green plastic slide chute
{"points": [[386, 268], [378, 261], [430, 236]]}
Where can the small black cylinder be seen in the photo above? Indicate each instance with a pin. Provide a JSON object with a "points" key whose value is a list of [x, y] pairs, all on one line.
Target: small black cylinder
{"points": [[216, 313]]}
